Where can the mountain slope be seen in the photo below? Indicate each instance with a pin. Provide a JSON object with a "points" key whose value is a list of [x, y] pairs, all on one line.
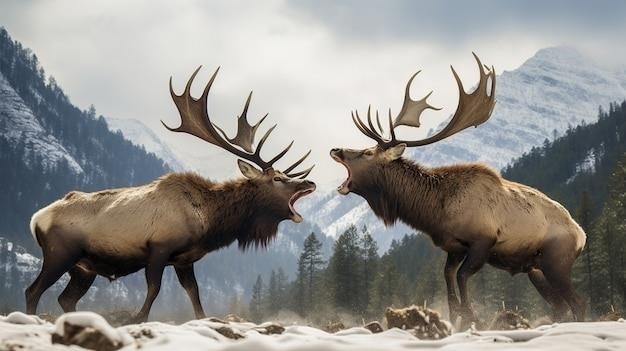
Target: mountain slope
{"points": [[556, 88], [24, 124], [139, 134], [582, 160], [48, 146]]}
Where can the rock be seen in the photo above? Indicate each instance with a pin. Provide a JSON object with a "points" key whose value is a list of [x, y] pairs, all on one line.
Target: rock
{"points": [[88, 330], [611, 316], [374, 327], [143, 333], [86, 337], [424, 322], [270, 328], [509, 320], [333, 327], [229, 333]]}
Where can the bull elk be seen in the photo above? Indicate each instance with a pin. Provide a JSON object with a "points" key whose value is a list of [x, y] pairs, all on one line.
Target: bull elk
{"points": [[468, 210], [175, 220]]}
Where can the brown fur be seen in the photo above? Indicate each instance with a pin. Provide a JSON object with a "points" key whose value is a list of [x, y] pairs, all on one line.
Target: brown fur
{"points": [[175, 220], [476, 216]]}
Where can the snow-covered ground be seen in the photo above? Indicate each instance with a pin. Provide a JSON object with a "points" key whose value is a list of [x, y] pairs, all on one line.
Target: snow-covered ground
{"points": [[19, 331]]}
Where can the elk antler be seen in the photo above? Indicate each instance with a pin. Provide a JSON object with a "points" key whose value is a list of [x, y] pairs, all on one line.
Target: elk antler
{"points": [[473, 109], [195, 120]]}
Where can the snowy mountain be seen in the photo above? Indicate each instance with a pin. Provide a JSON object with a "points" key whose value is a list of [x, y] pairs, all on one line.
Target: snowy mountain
{"points": [[139, 134], [556, 88], [19, 121]]}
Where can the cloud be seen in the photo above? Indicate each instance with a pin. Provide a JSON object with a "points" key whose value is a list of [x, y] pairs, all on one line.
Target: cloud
{"points": [[458, 21], [309, 63]]}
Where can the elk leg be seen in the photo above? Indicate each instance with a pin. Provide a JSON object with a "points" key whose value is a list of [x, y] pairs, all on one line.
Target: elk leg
{"points": [[187, 279], [559, 276], [452, 264], [476, 258], [547, 291], [154, 273], [54, 266], [80, 281]]}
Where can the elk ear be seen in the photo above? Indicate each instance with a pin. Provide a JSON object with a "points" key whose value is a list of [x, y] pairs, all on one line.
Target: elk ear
{"points": [[248, 170], [395, 152]]}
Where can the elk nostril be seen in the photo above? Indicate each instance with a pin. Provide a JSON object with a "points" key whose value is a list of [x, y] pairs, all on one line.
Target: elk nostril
{"points": [[334, 150]]}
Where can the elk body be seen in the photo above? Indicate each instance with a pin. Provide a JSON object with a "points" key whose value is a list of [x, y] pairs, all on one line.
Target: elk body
{"points": [[468, 210], [175, 220]]}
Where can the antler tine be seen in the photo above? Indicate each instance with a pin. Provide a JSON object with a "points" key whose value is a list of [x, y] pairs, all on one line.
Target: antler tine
{"points": [[245, 132], [473, 109], [301, 174], [363, 128], [369, 121], [195, 120], [297, 163], [392, 131], [281, 154], [412, 109], [380, 128], [188, 107]]}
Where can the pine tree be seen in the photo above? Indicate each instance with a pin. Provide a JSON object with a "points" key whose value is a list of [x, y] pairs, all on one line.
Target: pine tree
{"points": [[273, 303], [345, 272], [309, 267], [384, 287], [283, 282], [256, 303], [369, 251]]}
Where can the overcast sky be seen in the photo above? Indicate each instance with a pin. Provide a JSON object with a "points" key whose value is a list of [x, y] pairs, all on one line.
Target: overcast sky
{"points": [[308, 62]]}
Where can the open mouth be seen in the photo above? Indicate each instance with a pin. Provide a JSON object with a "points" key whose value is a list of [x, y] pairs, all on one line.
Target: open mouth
{"points": [[344, 188], [295, 216]]}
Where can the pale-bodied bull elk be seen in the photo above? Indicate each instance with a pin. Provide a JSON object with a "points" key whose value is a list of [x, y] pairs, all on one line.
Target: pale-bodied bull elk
{"points": [[468, 210], [175, 220]]}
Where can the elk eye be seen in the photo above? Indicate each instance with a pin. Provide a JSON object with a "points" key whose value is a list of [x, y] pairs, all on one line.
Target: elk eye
{"points": [[368, 152], [278, 179]]}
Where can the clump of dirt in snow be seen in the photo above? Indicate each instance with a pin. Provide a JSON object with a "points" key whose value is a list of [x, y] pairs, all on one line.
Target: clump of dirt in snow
{"points": [[270, 328], [374, 327], [333, 327], [509, 320], [425, 323], [88, 330], [612, 316]]}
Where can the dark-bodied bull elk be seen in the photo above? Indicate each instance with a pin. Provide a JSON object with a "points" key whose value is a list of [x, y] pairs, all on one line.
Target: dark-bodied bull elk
{"points": [[175, 220], [468, 210]]}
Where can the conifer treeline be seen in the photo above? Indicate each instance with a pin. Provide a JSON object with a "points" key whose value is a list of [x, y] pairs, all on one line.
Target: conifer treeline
{"points": [[354, 281]]}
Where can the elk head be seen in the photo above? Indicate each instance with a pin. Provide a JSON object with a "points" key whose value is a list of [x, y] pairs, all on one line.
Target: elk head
{"points": [[473, 109], [278, 190]]}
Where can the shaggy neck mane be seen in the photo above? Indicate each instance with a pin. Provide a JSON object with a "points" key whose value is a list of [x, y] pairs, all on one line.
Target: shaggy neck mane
{"points": [[406, 191], [243, 214]]}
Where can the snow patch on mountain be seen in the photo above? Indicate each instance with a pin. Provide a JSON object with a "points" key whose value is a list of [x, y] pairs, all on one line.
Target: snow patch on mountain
{"points": [[17, 122], [139, 134]]}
